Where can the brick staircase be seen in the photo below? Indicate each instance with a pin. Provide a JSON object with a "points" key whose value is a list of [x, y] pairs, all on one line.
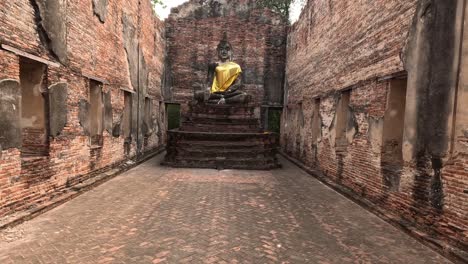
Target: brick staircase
{"points": [[221, 137], [220, 118]]}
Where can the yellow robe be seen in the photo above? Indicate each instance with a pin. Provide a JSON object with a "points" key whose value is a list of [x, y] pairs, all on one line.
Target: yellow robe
{"points": [[226, 75]]}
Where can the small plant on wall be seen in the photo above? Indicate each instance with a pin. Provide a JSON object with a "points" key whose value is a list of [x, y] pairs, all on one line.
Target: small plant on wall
{"points": [[158, 2], [283, 7]]}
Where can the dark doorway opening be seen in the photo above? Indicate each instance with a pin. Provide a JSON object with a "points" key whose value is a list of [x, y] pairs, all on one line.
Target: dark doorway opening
{"points": [[393, 130], [274, 119], [173, 116], [34, 110], [96, 113]]}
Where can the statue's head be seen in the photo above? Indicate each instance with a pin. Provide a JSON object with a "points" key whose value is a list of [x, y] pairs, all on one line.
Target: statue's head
{"points": [[224, 49]]}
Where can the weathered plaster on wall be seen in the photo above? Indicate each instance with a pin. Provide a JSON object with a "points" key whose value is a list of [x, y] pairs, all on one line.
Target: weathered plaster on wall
{"points": [[100, 9], [10, 114], [58, 99], [51, 23]]}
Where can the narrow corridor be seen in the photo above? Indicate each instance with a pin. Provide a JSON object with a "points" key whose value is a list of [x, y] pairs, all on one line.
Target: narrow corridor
{"points": [[154, 214]]}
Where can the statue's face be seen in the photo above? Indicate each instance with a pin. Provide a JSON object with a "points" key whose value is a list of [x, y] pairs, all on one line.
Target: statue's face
{"points": [[224, 51]]}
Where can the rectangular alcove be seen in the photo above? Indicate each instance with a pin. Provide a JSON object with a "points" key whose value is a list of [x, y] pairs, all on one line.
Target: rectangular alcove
{"points": [[393, 132], [394, 120], [173, 116], [34, 110], [342, 119], [127, 120], [96, 113], [316, 122], [148, 118], [272, 118], [148, 124]]}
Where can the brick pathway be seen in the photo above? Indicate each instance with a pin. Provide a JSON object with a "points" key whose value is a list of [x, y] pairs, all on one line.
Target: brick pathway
{"points": [[153, 214]]}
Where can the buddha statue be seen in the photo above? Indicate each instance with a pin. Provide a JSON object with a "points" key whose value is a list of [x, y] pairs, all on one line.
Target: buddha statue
{"points": [[224, 82]]}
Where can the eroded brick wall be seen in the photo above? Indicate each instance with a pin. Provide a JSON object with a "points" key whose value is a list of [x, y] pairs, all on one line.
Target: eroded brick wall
{"points": [[366, 47], [258, 38], [88, 41]]}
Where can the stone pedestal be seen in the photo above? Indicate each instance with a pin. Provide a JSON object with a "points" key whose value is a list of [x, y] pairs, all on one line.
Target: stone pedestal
{"points": [[222, 137]]}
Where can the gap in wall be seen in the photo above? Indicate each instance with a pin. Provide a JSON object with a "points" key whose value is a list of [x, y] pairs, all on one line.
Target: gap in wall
{"points": [[147, 120], [393, 131], [274, 119], [342, 118], [34, 117], [127, 121], [96, 113], [173, 116], [316, 122], [148, 112]]}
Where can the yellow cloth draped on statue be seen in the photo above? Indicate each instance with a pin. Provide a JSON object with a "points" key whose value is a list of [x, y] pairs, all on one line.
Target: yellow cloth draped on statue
{"points": [[226, 75]]}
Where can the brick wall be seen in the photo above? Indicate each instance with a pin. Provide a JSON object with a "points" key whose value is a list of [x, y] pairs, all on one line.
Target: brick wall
{"points": [[258, 38], [363, 47], [94, 50]]}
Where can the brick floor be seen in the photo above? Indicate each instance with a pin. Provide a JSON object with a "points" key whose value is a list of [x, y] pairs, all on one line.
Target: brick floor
{"points": [[153, 214]]}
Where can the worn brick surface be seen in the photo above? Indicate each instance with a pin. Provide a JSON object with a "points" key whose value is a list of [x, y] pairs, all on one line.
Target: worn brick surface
{"points": [[361, 46], [336, 44], [93, 48], [154, 214]]}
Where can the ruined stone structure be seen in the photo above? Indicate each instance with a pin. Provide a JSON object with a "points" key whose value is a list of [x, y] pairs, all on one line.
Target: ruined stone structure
{"points": [[220, 130], [258, 36], [224, 136], [374, 97], [376, 108], [80, 92]]}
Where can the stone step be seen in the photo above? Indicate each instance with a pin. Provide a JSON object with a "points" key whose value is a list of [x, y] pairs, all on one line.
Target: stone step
{"points": [[220, 144], [221, 109], [231, 163], [222, 150], [191, 152], [223, 146], [220, 128], [222, 121], [223, 137], [220, 116]]}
